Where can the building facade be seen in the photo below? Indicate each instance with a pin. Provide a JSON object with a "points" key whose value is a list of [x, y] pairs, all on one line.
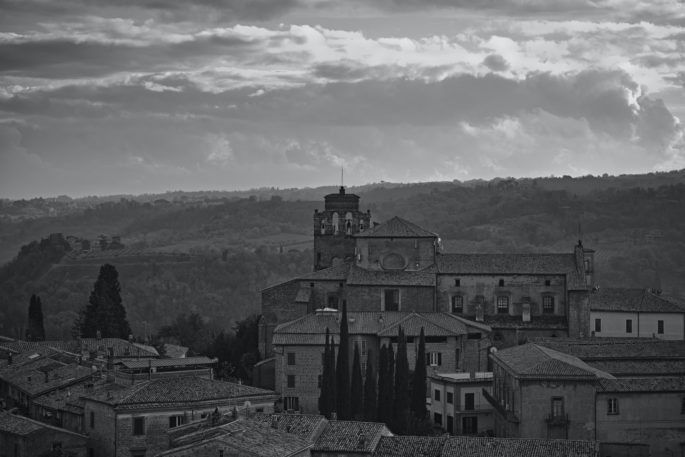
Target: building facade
{"points": [[457, 403]]}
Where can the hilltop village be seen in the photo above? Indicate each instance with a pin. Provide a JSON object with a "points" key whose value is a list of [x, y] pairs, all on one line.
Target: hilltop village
{"points": [[523, 354]]}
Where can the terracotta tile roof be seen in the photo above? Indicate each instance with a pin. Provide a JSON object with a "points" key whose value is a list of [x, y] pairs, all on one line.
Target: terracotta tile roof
{"points": [[71, 397], [410, 446], [396, 228], [311, 328], [168, 391], [350, 436], [642, 300], [23, 426], [533, 361], [655, 384], [252, 438], [43, 374], [156, 363], [362, 277], [466, 446], [122, 348], [616, 348], [640, 367], [506, 263], [307, 426]]}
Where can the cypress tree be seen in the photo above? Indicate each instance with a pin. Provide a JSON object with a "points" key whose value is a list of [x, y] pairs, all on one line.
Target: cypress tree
{"points": [[386, 391], [105, 311], [35, 330], [418, 385], [324, 407], [401, 394], [370, 406], [382, 374], [343, 369], [332, 388], [357, 388]]}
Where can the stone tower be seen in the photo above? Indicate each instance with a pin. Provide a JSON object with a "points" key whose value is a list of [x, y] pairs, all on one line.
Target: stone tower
{"points": [[335, 227]]}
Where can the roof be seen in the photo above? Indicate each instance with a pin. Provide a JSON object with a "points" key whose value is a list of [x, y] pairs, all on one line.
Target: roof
{"points": [[536, 322], [334, 273], [652, 384], [633, 300], [179, 362], [43, 374], [363, 277], [23, 426], [506, 263], [616, 348], [533, 361], [122, 348], [396, 228], [307, 426], [311, 328], [171, 391], [410, 446], [640, 367], [350, 436], [250, 437], [468, 446]]}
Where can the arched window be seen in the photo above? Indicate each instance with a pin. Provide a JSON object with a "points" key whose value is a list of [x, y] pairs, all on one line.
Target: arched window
{"points": [[336, 223], [348, 223], [323, 226]]}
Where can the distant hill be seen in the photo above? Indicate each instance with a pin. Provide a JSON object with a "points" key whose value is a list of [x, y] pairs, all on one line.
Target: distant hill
{"points": [[211, 252]]}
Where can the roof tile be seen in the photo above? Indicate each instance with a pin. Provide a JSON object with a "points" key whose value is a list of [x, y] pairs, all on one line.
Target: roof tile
{"points": [[396, 228]]}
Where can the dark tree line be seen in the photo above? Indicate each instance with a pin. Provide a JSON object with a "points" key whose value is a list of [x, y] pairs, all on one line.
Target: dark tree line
{"points": [[386, 395]]}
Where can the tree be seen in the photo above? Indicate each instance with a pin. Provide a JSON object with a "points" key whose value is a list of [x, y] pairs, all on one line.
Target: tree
{"points": [[333, 382], [401, 394], [357, 387], [343, 369], [386, 387], [419, 423], [370, 406], [104, 311], [327, 383], [35, 330]]}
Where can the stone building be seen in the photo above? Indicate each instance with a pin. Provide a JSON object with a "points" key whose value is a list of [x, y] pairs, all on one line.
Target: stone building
{"points": [[457, 403], [133, 421], [641, 313], [24, 437]]}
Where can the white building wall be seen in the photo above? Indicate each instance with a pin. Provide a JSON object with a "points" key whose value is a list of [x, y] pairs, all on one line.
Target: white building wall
{"points": [[645, 325]]}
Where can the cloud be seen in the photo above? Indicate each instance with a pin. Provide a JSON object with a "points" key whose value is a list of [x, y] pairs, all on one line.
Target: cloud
{"points": [[496, 62]]}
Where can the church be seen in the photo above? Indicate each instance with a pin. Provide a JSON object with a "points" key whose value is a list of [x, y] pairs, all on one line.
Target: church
{"points": [[395, 274]]}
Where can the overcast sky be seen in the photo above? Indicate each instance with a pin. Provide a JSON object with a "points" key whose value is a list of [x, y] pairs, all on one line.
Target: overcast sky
{"points": [[155, 95]]}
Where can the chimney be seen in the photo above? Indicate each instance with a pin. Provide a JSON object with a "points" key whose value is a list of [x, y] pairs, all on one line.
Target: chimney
{"points": [[479, 313], [525, 312], [110, 364]]}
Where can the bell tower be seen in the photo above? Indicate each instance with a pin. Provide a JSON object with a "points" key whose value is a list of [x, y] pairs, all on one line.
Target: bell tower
{"points": [[335, 227]]}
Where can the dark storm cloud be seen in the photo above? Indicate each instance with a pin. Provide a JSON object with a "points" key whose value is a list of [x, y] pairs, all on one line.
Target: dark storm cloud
{"points": [[496, 62]]}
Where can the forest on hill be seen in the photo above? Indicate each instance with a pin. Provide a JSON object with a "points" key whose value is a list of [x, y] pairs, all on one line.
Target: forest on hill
{"points": [[211, 253]]}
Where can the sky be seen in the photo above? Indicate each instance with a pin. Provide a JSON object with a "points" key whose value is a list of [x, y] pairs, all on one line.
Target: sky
{"points": [[145, 96]]}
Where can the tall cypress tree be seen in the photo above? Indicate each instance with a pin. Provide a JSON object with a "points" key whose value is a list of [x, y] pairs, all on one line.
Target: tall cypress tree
{"points": [[105, 311], [401, 394], [343, 368], [382, 375], [386, 390], [332, 388], [324, 407], [418, 385], [370, 406], [35, 330], [357, 387]]}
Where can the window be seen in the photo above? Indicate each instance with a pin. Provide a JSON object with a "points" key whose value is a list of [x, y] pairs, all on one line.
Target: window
{"points": [[291, 403], [450, 424], [501, 282], [332, 301], [436, 394], [457, 304], [548, 304], [92, 419], [612, 406], [434, 359], [629, 326], [457, 282], [598, 325], [363, 354], [437, 419], [291, 358], [469, 401], [502, 304], [450, 398], [139, 426], [557, 407], [291, 380], [469, 425], [660, 327], [391, 300], [176, 420], [547, 282]]}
